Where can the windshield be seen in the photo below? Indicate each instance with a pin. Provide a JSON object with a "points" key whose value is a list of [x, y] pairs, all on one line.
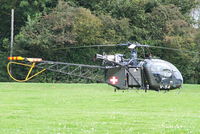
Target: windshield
{"points": [[164, 68]]}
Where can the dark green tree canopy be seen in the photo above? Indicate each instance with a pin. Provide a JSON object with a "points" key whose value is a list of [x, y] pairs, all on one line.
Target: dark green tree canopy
{"points": [[70, 26], [48, 28]]}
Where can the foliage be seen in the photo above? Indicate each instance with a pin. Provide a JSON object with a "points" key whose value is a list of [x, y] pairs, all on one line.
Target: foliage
{"points": [[167, 25], [185, 6], [68, 26], [197, 69], [23, 9], [50, 27]]}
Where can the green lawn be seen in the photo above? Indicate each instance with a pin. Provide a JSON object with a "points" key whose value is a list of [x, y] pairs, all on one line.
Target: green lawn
{"points": [[95, 108]]}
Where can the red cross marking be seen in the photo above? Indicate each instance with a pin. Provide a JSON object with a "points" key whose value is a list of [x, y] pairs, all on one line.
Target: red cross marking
{"points": [[113, 80]]}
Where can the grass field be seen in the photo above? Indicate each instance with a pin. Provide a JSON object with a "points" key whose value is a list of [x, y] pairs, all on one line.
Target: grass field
{"points": [[96, 109]]}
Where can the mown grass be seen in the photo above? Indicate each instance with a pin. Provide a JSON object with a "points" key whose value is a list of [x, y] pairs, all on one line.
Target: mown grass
{"points": [[38, 108]]}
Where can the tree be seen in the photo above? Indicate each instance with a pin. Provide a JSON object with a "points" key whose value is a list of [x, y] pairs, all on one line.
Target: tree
{"points": [[49, 32], [185, 6], [23, 9], [168, 25], [197, 65], [49, 36]]}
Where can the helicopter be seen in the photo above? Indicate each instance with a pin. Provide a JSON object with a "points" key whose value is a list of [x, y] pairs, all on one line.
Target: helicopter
{"points": [[120, 72]]}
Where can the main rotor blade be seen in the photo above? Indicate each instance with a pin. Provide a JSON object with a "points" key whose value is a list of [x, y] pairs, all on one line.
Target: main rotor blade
{"points": [[91, 46], [127, 44], [110, 45], [174, 49]]}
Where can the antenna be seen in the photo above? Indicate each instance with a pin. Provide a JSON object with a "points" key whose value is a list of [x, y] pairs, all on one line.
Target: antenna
{"points": [[12, 34]]}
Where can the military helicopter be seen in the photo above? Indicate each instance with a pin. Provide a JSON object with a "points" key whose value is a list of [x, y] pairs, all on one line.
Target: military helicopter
{"points": [[117, 71]]}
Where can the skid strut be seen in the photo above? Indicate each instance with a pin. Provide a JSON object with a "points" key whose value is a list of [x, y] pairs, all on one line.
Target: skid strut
{"points": [[28, 77]]}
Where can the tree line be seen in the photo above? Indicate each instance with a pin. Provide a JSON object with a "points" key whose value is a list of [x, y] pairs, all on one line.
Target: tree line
{"points": [[47, 29]]}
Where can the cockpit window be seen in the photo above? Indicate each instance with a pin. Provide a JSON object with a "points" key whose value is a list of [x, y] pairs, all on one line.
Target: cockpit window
{"points": [[165, 69], [163, 72], [162, 69], [166, 73], [178, 75]]}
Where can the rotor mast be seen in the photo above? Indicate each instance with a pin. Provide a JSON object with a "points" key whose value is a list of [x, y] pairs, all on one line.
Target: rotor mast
{"points": [[134, 56]]}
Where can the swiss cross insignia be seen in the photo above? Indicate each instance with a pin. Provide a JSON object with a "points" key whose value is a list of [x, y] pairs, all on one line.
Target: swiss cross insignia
{"points": [[113, 80]]}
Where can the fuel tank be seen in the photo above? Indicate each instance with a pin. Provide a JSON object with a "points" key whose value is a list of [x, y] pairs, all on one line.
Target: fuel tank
{"points": [[161, 74]]}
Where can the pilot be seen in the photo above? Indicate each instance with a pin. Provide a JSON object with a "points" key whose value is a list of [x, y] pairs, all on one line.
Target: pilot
{"points": [[133, 61], [148, 56]]}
